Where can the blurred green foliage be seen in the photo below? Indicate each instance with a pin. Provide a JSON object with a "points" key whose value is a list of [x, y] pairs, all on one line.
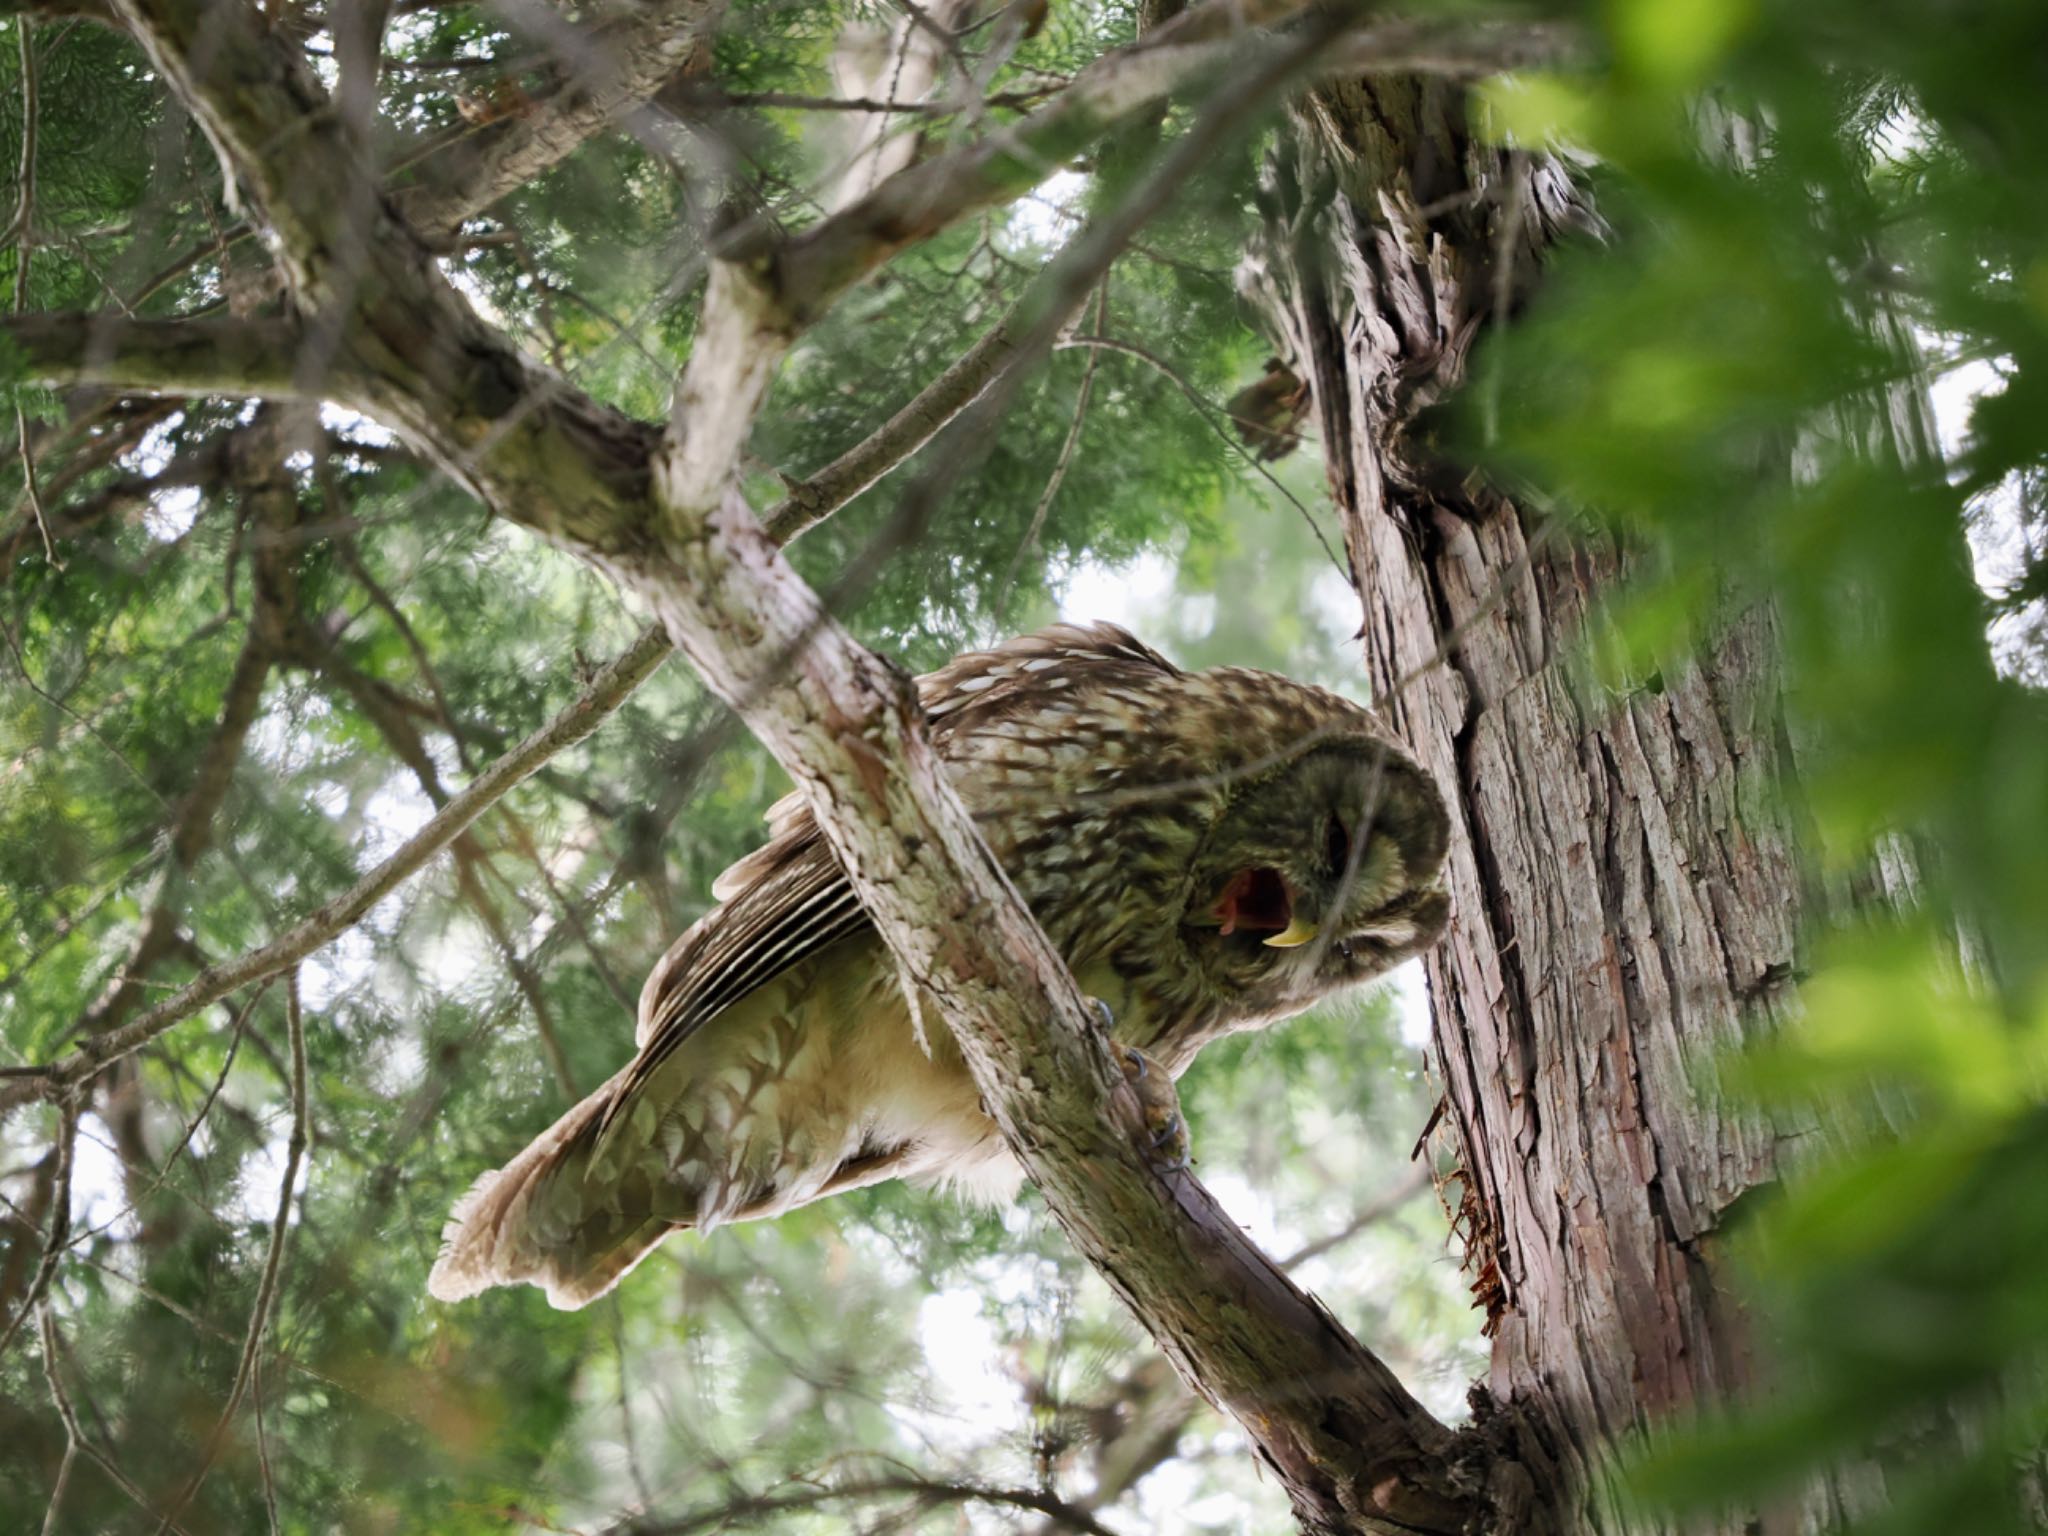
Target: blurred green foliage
{"points": [[1736, 385]]}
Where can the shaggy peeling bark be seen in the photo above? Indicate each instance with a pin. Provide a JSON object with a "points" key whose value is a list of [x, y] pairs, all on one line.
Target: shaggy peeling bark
{"points": [[1627, 894]]}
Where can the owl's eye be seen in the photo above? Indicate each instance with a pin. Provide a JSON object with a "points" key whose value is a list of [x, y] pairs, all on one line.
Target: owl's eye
{"points": [[1336, 847]]}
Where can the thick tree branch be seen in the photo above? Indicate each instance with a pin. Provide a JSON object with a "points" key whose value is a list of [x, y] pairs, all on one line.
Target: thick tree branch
{"points": [[394, 338], [239, 358], [614, 70]]}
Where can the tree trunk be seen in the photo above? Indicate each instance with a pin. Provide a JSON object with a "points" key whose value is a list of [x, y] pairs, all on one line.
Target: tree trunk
{"points": [[1627, 893]]}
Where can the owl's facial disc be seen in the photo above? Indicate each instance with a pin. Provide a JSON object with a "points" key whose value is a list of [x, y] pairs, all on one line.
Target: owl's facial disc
{"points": [[1327, 858]]}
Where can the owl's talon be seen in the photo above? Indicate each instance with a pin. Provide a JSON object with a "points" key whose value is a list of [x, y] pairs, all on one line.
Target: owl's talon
{"points": [[1103, 1011], [1160, 1101]]}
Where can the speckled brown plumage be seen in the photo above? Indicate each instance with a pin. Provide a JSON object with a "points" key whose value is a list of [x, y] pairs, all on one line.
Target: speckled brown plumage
{"points": [[1168, 829]]}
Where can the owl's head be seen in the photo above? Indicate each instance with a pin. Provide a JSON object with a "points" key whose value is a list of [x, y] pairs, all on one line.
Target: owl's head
{"points": [[1322, 871]]}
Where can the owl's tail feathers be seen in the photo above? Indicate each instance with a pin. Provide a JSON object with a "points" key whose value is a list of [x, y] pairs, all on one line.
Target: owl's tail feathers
{"points": [[549, 1219]]}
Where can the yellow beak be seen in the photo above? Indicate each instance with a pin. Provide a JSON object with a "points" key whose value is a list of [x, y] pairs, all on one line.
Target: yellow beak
{"points": [[1298, 931]]}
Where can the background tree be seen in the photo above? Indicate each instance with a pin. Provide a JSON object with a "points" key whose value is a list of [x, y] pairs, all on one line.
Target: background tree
{"points": [[1667, 583]]}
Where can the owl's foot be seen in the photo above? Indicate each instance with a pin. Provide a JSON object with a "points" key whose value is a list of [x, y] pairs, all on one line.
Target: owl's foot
{"points": [[1157, 1096]]}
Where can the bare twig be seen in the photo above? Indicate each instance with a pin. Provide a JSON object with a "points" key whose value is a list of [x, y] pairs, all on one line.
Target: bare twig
{"points": [[1214, 417], [752, 1510], [170, 1159], [75, 1436], [1059, 469], [406, 743], [21, 234], [60, 1223], [1413, 1181], [795, 102], [64, 709], [811, 500], [260, 1312], [263, 1448]]}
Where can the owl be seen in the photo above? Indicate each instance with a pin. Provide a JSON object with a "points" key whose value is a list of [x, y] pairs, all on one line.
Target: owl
{"points": [[1209, 851]]}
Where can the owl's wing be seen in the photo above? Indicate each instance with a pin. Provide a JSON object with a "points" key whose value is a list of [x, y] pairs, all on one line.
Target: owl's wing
{"points": [[785, 902]]}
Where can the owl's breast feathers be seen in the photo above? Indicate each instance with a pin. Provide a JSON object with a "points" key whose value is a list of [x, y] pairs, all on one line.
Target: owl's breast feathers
{"points": [[1097, 771]]}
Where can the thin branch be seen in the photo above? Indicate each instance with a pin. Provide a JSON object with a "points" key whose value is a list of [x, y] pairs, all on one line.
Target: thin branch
{"points": [[396, 727], [60, 1484], [263, 1449], [764, 289], [795, 102], [84, 724], [607, 690], [68, 1414], [802, 277], [1060, 467], [811, 500], [1213, 416], [169, 1161], [21, 235], [200, 466], [1412, 1182], [1069, 1516], [191, 828], [261, 1311]]}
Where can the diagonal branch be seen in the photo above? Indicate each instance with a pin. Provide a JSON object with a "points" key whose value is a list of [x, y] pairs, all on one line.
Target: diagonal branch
{"points": [[54, 1241], [605, 693], [808, 504], [809, 501], [764, 290], [1352, 1447], [614, 71], [403, 737]]}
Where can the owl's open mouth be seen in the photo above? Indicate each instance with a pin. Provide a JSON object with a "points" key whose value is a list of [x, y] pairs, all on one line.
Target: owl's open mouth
{"points": [[1258, 901]]}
